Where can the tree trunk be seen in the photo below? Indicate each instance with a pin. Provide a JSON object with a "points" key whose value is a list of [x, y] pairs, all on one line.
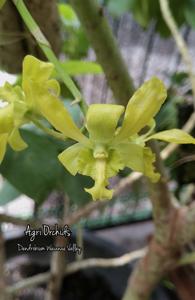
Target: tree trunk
{"points": [[15, 39]]}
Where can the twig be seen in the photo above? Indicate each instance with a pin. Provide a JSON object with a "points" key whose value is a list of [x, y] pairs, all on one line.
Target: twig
{"points": [[105, 262], [70, 220], [182, 47], [18, 221], [84, 212], [77, 266], [80, 241], [28, 283]]}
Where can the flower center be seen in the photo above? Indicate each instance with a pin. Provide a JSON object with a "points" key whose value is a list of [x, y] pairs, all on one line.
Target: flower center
{"points": [[100, 151]]}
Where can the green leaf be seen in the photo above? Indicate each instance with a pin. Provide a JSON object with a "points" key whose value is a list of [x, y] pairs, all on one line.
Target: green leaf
{"points": [[68, 15], [76, 67], [117, 8], [189, 12], [76, 43], [37, 172], [8, 193]]}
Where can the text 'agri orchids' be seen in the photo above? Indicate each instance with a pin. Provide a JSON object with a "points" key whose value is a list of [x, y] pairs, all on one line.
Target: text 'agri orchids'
{"points": [[113, 141]]}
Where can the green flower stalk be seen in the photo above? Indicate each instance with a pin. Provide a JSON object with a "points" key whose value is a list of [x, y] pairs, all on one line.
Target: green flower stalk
{"points": [[113, 141]]}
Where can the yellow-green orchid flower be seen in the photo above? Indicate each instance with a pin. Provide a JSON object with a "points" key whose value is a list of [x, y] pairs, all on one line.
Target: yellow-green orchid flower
{"points": [[21, 102], [11, 118], [109, 146]]}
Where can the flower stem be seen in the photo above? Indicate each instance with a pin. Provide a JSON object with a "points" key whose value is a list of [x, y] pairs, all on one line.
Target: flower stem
{"points": [[46, 48], [49, 131]]}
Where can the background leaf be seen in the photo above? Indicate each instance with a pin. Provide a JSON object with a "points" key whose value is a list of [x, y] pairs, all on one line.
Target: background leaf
{"points": [[8, 193], [75, 44], [76, 67], [37, 172]]}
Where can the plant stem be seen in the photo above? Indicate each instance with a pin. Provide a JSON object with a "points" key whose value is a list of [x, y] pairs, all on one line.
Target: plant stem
{"points": [[102, 40], [49, 131], [180, 42], [46, 48]]}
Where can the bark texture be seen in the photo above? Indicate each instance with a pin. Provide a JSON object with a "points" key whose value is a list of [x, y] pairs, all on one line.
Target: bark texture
{"points": [[15, 39]]}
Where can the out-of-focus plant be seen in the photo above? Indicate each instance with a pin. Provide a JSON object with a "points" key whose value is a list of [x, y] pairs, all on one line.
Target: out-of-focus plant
{"points": [[75, 42], [149, 10]]}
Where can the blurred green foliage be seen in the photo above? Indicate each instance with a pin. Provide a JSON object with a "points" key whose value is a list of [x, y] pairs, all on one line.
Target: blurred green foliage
{"points": [[145, 11], [8, 193], [75, 43], [37, 172]]}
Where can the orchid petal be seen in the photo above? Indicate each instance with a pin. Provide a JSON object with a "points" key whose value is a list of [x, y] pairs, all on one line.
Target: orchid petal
{"points": [[15, 141], [149, 169], [56, 113], [80, 159], [6, 118], [35, 70], [138, 158], [69, 158], [102, 120], [100, 169], [11, 93], [99, 190], [53, 87], [3, 144], [176, 136], [142, 107]]}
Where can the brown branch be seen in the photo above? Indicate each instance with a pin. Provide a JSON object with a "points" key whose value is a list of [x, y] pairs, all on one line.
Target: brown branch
{"points": [[70, 220], [75, 267], [29, 283], [157, 260], [84, 211], [16, 42], [18, 221]]}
